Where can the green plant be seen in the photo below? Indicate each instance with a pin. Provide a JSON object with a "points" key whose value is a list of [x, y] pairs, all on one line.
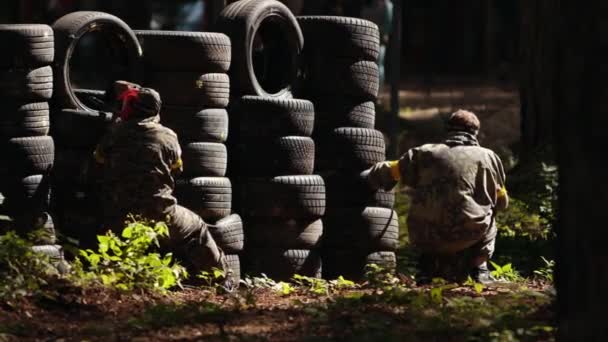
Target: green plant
{"points": [[126, 262], [506, 272], [378, 277], [546, 272], [314, 286], [22, 271]]}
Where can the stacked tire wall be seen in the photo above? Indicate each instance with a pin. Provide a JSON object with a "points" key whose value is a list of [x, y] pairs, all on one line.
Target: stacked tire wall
{"points": [[272, 152], [79, 120], [189, 70], [340, 75], [26, 86]]}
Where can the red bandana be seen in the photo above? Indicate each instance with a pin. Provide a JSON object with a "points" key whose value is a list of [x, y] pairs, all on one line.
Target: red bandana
{"points": [[128, 98]]}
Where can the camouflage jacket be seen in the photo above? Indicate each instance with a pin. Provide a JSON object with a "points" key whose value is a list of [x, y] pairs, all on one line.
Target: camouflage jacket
{"points": [[455, 189], [138, 159]]}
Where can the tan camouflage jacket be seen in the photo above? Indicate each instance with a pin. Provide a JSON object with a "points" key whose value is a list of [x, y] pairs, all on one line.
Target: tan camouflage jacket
{"points": [[138, 159], [456, 188]]}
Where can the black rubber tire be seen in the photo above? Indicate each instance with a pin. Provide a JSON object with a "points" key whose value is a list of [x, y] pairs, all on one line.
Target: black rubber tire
{"points": [[282, 264], [289, 197], [331, 113], [209, 197], [278, 157], [277, 29], [351, 263], [24, 120], [27, 84], [354, 192], [26, 45], [27, 195], [185, 51], [256, 116], [79, 128], [228, 234], [335, 36], [191, 89], [191, 124], [203, 159], [384, 259], [69, 166], [68, 31], [29, 155], [54, 252], [342, 77], [233, 262], [368, 229], [350, 149], [288, 234]]}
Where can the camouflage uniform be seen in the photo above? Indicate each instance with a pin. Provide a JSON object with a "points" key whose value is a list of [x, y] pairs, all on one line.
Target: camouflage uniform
{"points": [[456, 188], [455, 193], [138, 159]]}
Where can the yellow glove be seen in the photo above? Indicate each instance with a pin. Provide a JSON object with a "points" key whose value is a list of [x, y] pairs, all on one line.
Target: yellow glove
{"points": [[384, 175]]}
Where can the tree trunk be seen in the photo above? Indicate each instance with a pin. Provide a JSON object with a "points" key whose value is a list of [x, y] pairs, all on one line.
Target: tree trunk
{"points": [[580, 101], [538, 48]]}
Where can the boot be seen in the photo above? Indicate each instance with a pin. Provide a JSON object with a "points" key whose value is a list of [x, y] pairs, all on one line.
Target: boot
{"points": [[481, 274]]}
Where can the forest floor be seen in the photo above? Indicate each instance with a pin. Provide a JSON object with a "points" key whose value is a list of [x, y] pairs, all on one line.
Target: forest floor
{"points": [[446, 312]]}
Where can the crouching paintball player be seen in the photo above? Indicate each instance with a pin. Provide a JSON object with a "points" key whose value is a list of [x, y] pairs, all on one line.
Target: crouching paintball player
{"points": [[457, 186], [137, 160]]}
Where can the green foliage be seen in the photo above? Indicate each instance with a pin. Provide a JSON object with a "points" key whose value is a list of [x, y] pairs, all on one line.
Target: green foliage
{"points": [[506, 272], [127, 263], [22, 271], [212, 278], [521, 220], [546, 272], [378, 277], [315, 286]]}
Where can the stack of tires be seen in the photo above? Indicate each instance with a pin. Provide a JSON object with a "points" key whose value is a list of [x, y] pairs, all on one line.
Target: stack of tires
{"points": [[79, 120], [189, 70], [272, 154], [340, 76], [27, 151]]}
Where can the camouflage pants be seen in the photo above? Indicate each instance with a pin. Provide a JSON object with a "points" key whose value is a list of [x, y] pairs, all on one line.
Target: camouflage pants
{"points": [[452, 258], [191, 242]]}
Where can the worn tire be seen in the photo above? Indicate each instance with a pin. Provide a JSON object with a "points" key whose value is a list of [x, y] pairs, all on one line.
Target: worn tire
{"points": [[332, 113], [26, 45], [278, 30], [26, 195], [354, 192], [288, 234], [351, 263], [272, 118], [342, 77], [205, 159], [68, 31], [29, 155], [27, 84], [334, 36], [277, 157], [289, 197], [185, 51], [233, 262], [283, 264], [209, 197], [350, 149], [228, 234], [24, 120], [191, 89], [369, 229], [79, 128], [191, 124]]}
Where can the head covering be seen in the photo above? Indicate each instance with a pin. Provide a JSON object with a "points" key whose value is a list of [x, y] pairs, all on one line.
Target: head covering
{"points": [[463, 121], [135, 101]]}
